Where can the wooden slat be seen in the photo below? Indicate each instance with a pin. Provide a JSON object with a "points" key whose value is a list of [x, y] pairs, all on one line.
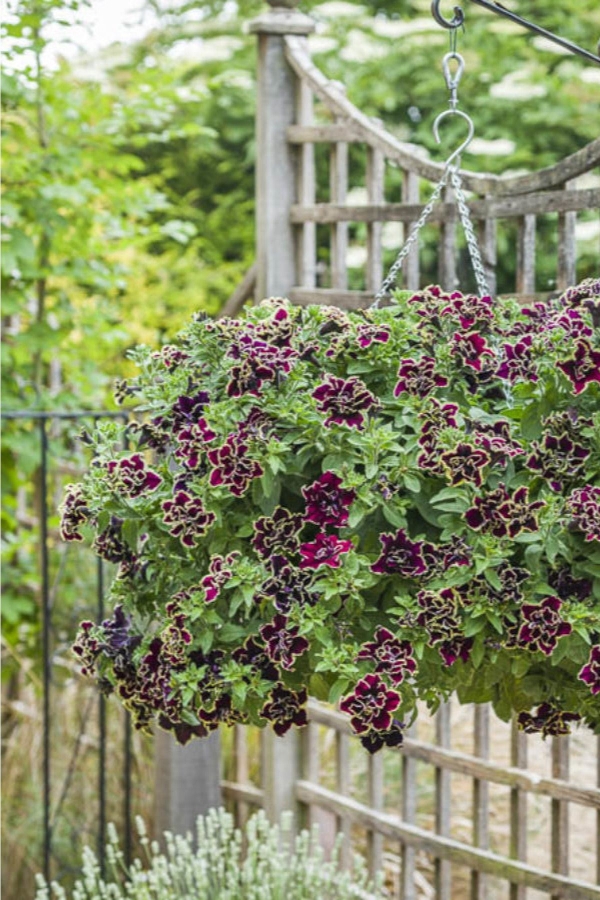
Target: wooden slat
{"points": [[495, 208], [243, 793], [526, 255], [560, 809], [443, 800], [409, 815], [566, 273], [512, 776], [481, 805], [340, 132], [447, 247], [338, 181], [375, 841], [405, 156], [518, 809], [242, 772], [306, 187], [375, 176], [243, 292], [489, 250], [410, 195], [332, 297], [343, 785], [310, 760], [444, 847]]}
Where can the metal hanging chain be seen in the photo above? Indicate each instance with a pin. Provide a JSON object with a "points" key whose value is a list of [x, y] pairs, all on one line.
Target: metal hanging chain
{"points": [[451, 173]]}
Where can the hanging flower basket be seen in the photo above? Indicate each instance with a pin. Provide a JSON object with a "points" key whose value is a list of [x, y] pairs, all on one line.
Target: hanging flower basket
{"points": [[372, 508]]}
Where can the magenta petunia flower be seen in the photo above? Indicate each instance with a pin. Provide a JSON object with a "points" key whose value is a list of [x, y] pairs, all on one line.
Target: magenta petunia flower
{"points": [[370, 705], [232, 467], [366, 334], [418, 378], [557, 458], [282, 642], [257, 362], [277, 534], [219, 574], [392, 656], [192, 441], [543, 625], [344, 400], [187, 518], [470, 348], [502, 514], [131, 475], [288, 587], [400, 556], [584, 368], [517, 361], [547, 720], [584, 506], [465, 463], [326, 502], [74, 513], [591, 671], [285, 708], [469, 310], [325, 550]]}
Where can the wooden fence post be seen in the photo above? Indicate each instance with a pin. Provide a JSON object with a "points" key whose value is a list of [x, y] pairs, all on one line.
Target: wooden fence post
{"points": [[187, 781], [275, 156]]}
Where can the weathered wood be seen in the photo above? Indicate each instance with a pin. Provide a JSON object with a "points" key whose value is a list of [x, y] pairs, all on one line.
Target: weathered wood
{"points": [[242, 772], [375, 176], [446, 848], [410, 195], [332, 297], [514, 776], [280, 771], [481, 806], [447, 246], [187, 781], [338, 186], [342, 777], [498, 208], [566, 272], [408, 889], [375, 839], [489, 251], [559, 810], [243, 793], [310, 762], [443, 799], [518, 809], [376, 136], [340, 132], [306, 188], [244, 291], [526, 255]]}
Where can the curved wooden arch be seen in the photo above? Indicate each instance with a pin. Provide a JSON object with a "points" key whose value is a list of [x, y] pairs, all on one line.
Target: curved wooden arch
{"points": [[377, 137]]}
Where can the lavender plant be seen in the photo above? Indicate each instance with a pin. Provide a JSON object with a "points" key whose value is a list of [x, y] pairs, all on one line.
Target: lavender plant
{"points": [[371, 508], [272, 866]]}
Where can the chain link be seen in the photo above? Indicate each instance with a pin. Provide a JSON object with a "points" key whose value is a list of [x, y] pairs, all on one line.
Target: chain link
{"points": [[467, 224]]}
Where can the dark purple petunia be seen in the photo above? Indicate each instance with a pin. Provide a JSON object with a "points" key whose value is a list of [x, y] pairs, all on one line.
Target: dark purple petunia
{"points": [[574, 324], [285, 708], [470, 349], [465, 463], [366, 334], [439, 558], [187, 410], [277, 534], [171, 356], [584, 368], [86, 648], [345, 401], [543, 625], [325, 550], [586, 290], [110, 545], [370, 705], [502, 514], [74, 513], [437, 415], [418, 378], [191, 443], [287, 587], [131, 475], [116, 637], [590, 673], [548, 720], [496, 440], [517, 362], [219, 573], [278, 330], [557, 458], [258, 425], [439, 615], [567, 586], [326, 502], [231, 466], [187, 518], [392, 656], [282, 642], [458, 647], [375, 740], [400, 556], [469, 310], [584, 507], [222, 713], [253, 653], [257, 362]]}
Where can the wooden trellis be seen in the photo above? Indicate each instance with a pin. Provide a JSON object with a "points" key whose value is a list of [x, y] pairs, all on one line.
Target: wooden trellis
{"points": [[302, 114]]}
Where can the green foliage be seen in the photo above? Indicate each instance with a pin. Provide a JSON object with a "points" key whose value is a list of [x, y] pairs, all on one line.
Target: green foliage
{"points": [[221, 863]]}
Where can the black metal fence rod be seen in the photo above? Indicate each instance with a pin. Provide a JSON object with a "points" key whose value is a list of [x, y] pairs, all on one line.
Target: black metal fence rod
{"points": [[50, 414], [46, 649]]}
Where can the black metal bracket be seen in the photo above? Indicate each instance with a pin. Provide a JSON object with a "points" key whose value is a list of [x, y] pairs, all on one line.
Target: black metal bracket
{"points": [[499, 10]]}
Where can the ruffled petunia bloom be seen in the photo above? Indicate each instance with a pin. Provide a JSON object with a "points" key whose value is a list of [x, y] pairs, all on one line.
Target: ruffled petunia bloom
{"points": [[543, 625], [367, 334], [287, 588], [495, 438], [110, 545], [590, 673], [74, 513], [574, 324], [192, 441], [187, 409], [257, 362], [584, 507], [567, 586], [439, 558], [131, 476], [465, 463], [277, 534], [219, 573], [370, 705], [502, 514], [584, 368], [345, 401], [375, 740], [253, 653], [547, 720], [470, 349], [285, 708], [392, 657], [326, 502], [171, 356], [282, 642], [517, 362], [232, 467], [557, 458], [470, 310], [187, 518], [418, 377], [440, 618], [400, 556], [325, 550]]}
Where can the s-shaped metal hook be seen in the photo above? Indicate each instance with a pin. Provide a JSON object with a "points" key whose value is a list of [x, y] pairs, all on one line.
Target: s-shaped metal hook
{"points": [[465, 143], [456, 22]]}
